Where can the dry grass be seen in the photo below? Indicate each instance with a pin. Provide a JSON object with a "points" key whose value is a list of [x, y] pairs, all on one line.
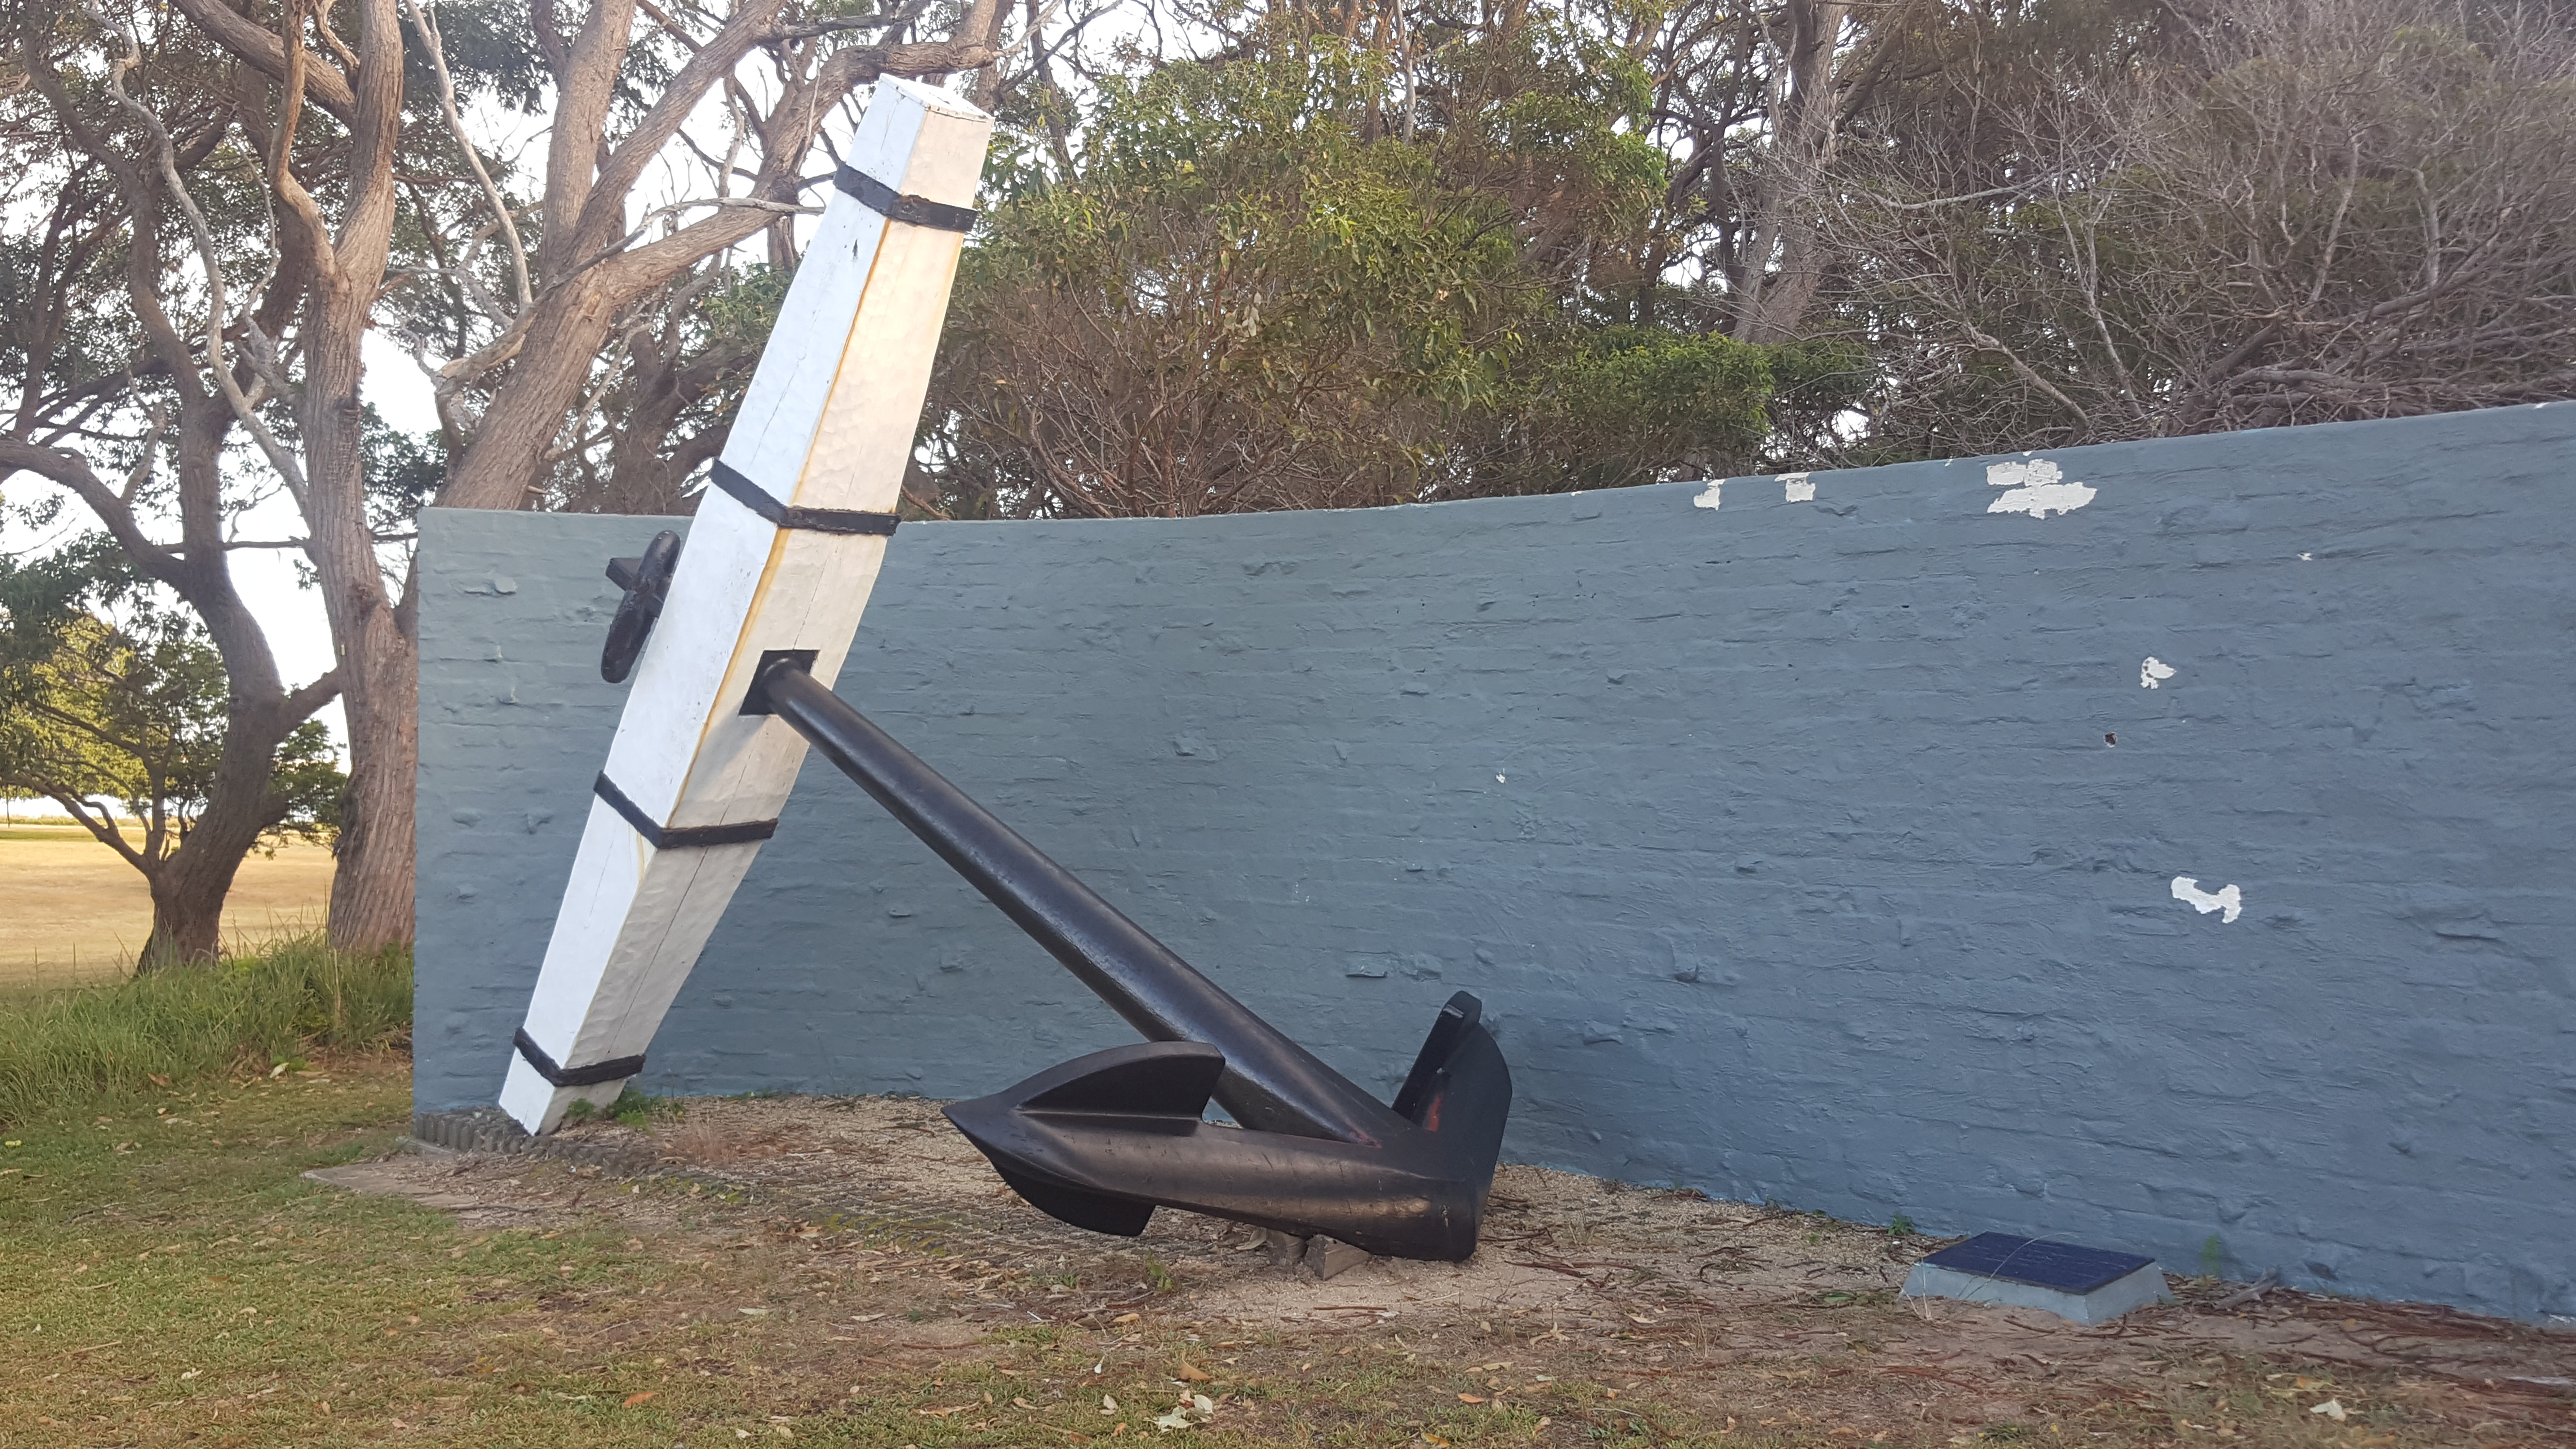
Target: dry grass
{"points": [[72, 912]]}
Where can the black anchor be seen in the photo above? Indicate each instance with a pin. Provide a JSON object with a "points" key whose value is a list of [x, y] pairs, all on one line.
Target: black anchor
{"points": [[1102, 1140]]}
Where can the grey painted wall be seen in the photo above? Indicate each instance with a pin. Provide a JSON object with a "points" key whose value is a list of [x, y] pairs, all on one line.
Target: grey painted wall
{"points": [[1785, 841]]}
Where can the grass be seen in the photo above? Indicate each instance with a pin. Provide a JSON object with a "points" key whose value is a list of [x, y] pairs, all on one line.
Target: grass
{"points": [[258, 1014], [73, 912], [172, 1280], [175, 1281]]}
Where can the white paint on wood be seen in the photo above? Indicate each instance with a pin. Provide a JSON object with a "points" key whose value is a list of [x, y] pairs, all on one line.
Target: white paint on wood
{"points": [[827, 422], [2228, 899], [1709, 499], [2036, 487], [1797, 488]]}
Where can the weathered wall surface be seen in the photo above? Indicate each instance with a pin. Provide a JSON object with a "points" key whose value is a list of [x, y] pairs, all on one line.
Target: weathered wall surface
{"points": [[1787, 841]]}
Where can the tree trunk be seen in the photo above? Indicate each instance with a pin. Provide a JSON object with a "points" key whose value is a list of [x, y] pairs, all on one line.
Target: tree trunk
{"points": [[187, 923], [188, 891], [1783, 264], [371, 892], [507, 461]]}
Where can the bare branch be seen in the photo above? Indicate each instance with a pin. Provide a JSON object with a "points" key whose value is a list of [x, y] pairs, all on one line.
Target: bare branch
{"points": [[429, 39]]}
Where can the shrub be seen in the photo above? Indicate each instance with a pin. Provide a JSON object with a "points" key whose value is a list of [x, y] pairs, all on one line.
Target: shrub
{"points": [[250, 1012]]}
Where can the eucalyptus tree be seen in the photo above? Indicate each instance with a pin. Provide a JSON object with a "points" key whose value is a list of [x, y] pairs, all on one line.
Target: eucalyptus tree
{"points": [[106, 695], [232, 198]]}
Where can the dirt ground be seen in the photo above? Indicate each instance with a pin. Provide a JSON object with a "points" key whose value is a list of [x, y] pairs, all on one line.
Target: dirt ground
{"points": [[1606, 1312], [72, 911]]}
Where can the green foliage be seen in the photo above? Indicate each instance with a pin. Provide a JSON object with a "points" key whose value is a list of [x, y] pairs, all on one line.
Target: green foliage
{"points": [[104, 693], [403, 471], [250, 1013], [632, 1108], [1622, 404], [1259, 286]]}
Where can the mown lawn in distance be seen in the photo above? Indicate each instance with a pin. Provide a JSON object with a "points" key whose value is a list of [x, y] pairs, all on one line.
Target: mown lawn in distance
{"points": [[72, 912]]}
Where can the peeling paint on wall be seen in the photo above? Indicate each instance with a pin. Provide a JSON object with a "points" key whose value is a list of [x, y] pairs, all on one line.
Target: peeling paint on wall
{"points": [[2036, 489], [2153, 673], [2228, 900], [1798, 487], [1709, 498]]}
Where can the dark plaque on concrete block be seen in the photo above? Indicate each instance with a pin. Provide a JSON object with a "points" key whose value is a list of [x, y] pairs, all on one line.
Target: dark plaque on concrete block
{"points": [[2087, 1285], [2066, 1267]]}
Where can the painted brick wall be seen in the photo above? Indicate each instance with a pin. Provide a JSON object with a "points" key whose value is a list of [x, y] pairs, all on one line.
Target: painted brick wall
{"points": [[1785, 840]]}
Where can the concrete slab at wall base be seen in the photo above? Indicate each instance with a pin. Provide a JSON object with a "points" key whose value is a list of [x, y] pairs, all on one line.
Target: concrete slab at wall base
{"points": [[1819, 851], [2124, 1294]]}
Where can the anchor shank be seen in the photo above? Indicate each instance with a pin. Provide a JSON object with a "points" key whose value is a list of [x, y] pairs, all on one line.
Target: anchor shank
{"points": [[1270, 1083]]}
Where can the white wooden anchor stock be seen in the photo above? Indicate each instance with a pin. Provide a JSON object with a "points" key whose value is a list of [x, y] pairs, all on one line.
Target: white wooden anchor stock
{"points": [[781, 558]]}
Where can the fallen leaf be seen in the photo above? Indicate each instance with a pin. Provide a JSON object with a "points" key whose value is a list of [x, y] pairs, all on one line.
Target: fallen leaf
{"points": [[1189, 1372], [644, 1397], [1469, 1399], [2331, 1408], [1022, 1404], [1128, 1318]]}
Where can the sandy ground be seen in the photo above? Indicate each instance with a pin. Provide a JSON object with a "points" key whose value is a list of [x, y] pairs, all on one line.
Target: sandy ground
{"points": [[72, 910], [1662, 1294]]}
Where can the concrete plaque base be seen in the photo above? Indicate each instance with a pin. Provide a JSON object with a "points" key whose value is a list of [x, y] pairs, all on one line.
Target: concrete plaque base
{"points": [[2130, 1291]]}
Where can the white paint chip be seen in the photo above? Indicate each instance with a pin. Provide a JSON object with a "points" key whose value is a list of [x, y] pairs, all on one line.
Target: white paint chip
{"points": [[2153, 673], [1797, 488], [1709, 498], [2036, 487], [2228, 900]]}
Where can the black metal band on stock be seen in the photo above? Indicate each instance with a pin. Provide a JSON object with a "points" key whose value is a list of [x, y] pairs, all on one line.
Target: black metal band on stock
{"points": [[665, 837], [614, 1069], [878, 197], [813, 520]]}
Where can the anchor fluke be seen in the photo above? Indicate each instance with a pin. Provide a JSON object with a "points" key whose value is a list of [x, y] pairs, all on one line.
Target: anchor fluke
{"points": [[1102, 1140]]}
